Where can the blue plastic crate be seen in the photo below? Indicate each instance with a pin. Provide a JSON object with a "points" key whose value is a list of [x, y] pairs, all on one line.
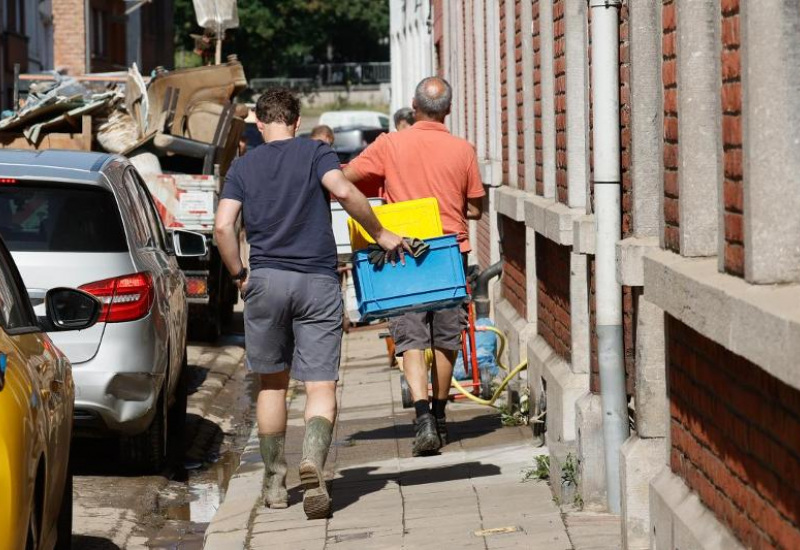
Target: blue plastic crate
{"points": [[433, 281]]}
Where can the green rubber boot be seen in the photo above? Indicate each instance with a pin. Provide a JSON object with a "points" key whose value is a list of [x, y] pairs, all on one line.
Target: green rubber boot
{"points": [[275, 494], [317, 441]]}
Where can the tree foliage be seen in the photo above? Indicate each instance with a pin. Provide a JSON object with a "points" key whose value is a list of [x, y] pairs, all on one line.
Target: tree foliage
{"points": [[276, 37]]}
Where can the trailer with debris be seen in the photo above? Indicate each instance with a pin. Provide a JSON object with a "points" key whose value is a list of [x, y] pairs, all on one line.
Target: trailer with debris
{"points": [[179, 128]]}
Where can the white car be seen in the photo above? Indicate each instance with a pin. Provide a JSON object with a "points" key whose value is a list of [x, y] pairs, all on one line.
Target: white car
{"points": [[361, 119], [86, 220]]}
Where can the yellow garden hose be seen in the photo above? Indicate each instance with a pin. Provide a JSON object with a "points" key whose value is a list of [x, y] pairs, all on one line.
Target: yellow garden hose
{"points": [[510, 376]]}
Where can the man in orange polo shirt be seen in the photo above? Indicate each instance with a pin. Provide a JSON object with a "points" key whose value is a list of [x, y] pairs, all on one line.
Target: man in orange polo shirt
{"points": [[423, 161]]}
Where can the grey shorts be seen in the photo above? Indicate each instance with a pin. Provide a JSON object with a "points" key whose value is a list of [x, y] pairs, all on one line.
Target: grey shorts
{"points": [[429, 329], [293, 321]]}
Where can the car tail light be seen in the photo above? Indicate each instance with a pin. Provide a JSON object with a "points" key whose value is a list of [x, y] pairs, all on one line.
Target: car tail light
{"points": [[125, 298], [8, 181], [196, 286]]}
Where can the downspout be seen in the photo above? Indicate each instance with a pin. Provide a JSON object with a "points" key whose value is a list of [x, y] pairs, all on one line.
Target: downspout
{"points": [[608, 219]]}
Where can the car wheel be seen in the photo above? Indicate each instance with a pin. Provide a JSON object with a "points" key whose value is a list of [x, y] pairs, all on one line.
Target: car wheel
{"points": [[176, 441], [64, 524], [147, 450]]}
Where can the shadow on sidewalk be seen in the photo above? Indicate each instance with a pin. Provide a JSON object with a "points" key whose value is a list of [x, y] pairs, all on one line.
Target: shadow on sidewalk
{"points": [[356, 483], [459, 430]]}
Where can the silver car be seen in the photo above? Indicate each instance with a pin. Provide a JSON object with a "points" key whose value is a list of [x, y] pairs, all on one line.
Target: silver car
{"points": [[86, 220]]}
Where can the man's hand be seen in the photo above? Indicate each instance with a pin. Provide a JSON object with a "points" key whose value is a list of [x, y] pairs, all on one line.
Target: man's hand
{"points": [[242, 285], [393, 244]]}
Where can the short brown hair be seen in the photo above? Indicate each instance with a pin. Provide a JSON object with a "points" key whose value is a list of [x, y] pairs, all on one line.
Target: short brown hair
{"points": [[322, 131], [278, 105]]}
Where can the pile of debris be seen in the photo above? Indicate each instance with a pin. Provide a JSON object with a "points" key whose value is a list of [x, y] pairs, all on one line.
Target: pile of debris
{"points": [[186, 112]]}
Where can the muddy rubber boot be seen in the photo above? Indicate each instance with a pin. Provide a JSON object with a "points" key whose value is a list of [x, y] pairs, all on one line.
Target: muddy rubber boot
{"points": [[317, 441], [275, 494]]}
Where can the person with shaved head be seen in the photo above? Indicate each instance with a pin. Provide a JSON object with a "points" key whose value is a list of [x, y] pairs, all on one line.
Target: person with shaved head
{"points": [[422, 161]]}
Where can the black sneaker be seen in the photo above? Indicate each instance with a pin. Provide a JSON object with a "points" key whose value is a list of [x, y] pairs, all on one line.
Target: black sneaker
{"points": [[427, 438], [441, 429]]}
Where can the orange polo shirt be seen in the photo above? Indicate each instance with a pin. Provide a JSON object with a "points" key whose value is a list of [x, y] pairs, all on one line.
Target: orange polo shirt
{"points": [[426, 161]]}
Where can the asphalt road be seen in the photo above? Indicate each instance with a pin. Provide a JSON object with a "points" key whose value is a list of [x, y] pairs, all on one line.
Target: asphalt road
{"points": [[119, 510]]}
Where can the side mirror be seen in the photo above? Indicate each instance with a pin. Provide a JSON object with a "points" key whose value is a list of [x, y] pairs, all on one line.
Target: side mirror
{"points": [[188, 244], [70, 309]]}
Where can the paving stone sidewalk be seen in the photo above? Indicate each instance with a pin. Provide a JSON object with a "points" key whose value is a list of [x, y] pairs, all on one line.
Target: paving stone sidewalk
{"points": [[469, 496]]}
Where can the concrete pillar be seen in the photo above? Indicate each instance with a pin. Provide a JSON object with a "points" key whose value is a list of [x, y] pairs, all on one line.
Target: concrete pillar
{"points": [[591, 452], [529, 129], [652, 408], [548, 98], [646, 115], [511, 92], [575, 18], [494, 227], [532, 294], [640, 461], [579, 313], [69, 36], [480, 80], [469, 72], [495, 105], [698, 126], [771, 132]]}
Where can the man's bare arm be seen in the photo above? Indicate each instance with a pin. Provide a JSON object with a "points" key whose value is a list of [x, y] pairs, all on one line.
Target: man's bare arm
{"points": [[355, 203], [475, 208], [351, 174], [225, 233]]}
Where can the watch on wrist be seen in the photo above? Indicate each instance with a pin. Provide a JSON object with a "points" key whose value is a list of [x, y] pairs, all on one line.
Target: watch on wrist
{"points": [[241, 276]]}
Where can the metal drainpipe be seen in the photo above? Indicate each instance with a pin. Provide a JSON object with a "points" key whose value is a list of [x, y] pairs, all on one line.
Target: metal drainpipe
{"points": [[608, 219]]}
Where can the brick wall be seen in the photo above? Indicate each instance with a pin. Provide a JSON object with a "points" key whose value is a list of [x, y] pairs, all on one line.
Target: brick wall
{"points": [[489, 53], [514, 279], [520, 98], [560, 74], [735, 433], [505, 101], [732, 138], [537, 98], [483, 246], [438, 35], [553, 278], [625, 121], [669, 23], [69, 38]]}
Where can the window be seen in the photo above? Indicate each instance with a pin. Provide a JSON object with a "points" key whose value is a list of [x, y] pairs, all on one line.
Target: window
{"points": [[40, 216], [15, 310], [153, 219]]}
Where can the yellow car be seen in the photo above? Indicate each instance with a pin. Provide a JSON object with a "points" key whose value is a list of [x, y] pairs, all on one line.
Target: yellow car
{"points": [[36, 400]]}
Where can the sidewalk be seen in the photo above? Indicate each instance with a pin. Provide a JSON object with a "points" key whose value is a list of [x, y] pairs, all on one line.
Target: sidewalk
{"points": [[469, 496]]}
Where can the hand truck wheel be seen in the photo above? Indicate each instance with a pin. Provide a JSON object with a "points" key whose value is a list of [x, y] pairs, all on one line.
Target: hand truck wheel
{"points": [[405, 393]]}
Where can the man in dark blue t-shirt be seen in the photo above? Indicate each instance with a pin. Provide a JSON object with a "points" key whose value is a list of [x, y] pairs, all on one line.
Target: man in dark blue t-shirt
{"points": [[293, 304]]}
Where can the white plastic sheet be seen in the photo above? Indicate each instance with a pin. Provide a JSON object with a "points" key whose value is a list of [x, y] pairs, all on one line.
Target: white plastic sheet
{"points": [[217, 15]]}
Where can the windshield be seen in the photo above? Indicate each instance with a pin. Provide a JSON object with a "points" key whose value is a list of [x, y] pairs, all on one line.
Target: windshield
{"points": [[46, 217]]}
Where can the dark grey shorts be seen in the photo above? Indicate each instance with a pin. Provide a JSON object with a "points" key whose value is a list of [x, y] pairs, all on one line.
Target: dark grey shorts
{"points": [[430, 329], [293, 321]]}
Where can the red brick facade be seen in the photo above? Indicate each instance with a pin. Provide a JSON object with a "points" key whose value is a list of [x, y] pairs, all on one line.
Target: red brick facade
{"points": [[69, 36], [483, 246], [732, 139], [669, 23], [514, 277], [560, 73], [537, 99], [735, 434], [505, 101], [520, 97], [553, 279]]}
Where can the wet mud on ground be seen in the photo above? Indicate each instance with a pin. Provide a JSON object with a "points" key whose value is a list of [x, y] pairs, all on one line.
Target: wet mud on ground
{"points": [[115, 509]]}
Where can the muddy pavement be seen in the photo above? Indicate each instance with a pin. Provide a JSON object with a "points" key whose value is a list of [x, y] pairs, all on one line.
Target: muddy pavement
{"points": [[116, 509]]}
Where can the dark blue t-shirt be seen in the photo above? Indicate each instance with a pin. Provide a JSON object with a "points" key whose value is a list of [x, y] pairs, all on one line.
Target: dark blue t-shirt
{"points": [[286, 209]]}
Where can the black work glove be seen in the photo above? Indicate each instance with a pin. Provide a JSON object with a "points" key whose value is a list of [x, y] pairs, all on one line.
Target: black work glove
{"points": [[377, 255]]}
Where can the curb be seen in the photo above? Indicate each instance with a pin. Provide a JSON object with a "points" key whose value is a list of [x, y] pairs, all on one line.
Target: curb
{"points": [[230, 526], [229, 529]]}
